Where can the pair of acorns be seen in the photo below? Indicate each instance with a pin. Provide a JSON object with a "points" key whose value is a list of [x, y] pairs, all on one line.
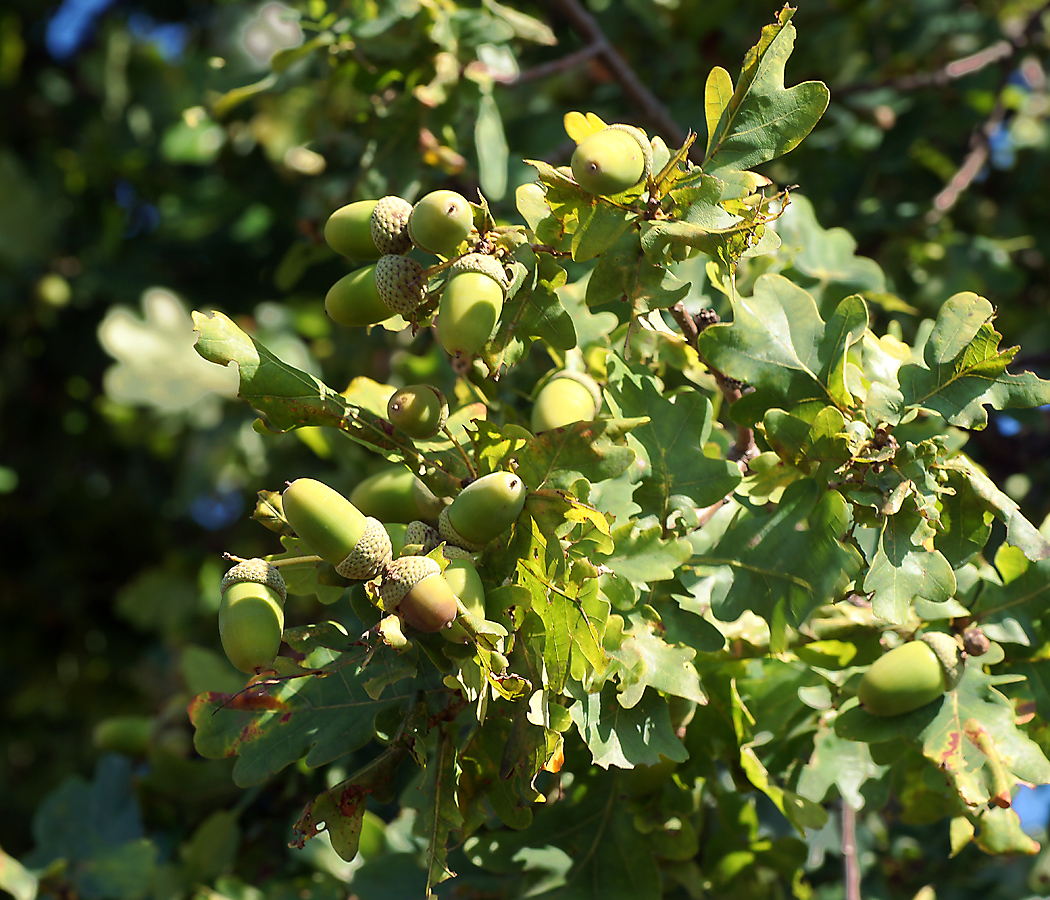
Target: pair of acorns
{"points": [[472, 299], [251, 613]]}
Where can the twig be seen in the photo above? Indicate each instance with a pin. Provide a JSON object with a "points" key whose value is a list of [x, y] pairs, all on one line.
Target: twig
{"points": [[980, 150], [745, 448], [584, 24], [560, 65], [957, 68], [462, 452], [849, 851]]}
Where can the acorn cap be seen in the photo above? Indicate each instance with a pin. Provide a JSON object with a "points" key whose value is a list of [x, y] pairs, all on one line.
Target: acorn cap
{"points": [[451, 552], [949, 654], [400, 283], [420, 533], [414, 587], [390, 225], [370, 555], [643, 142], [256, 570], [448, 533], [481, 262]]}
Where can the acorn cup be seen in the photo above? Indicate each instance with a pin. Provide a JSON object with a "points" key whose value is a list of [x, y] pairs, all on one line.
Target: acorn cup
{"points": [[401, 284], [484, 509], [330, 525], [390, 225], [912, 675], [348, 231], [415, 589], [251, 614]]}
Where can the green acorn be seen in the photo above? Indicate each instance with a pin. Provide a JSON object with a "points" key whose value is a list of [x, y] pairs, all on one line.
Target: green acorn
{"points": [[348, 231], [610, 161], [251, 614], [130, 735], [390, 225], [440, 222], [396, 495], [419, 410], [400, 283], [330, 525], [484, 509], [462, 577], [414, 587], [470, 304], [566, 398], [354, 301], [912, 675]]}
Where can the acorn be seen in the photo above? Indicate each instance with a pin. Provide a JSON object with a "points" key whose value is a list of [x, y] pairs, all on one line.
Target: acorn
{"points": [[419, 410], [354, 301], [348, 231], [251, 614], [566, 398], [912, 675], [484, 509], [330, 525], [390, 225], [463, 578], [471, 304], [440, 222], [415, 589], [612, 160], [395, 494], [400, 283]]}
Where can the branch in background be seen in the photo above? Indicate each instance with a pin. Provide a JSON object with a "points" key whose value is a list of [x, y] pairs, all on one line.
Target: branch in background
{"points": [[732, 390], [560, 65], [849, 851], [647, 103], [980, 139]]}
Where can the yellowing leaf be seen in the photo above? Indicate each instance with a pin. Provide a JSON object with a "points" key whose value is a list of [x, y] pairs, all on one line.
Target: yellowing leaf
{"points": [[579, 126]]}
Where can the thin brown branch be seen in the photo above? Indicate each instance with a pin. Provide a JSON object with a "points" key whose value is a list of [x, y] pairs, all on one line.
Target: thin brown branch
{"points": [[644, 100], [744, 449], [849, 851], [980, 149], [957, 68], [553, 67]]}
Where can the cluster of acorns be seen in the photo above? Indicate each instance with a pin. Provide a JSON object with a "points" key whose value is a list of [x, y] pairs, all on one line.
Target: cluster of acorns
{"points": [[397, 284], [361, 548]]}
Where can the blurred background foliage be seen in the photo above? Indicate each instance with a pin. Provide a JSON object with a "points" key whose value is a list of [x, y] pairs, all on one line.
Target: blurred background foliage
{"points": [[182, 154]]}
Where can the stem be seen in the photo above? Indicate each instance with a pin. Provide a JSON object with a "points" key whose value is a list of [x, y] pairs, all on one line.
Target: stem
{"points": [[849, 851], [462, 452], [290, 561], [745, 448]]}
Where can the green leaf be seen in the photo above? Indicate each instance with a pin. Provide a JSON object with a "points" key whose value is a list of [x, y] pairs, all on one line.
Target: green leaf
{"points": [[291, 398], [321, 717], [646, 660], [534, 311], [1020, 532], [643, 554], [840, 763], [762, 120], [16, 879], [718, 94], [903, 573], [441, 816], [594, 451], [970, 734], [491, 144], [778, 343], [627, 273], [677, 429], [626, 737], [963, 370], [787, 563]]}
